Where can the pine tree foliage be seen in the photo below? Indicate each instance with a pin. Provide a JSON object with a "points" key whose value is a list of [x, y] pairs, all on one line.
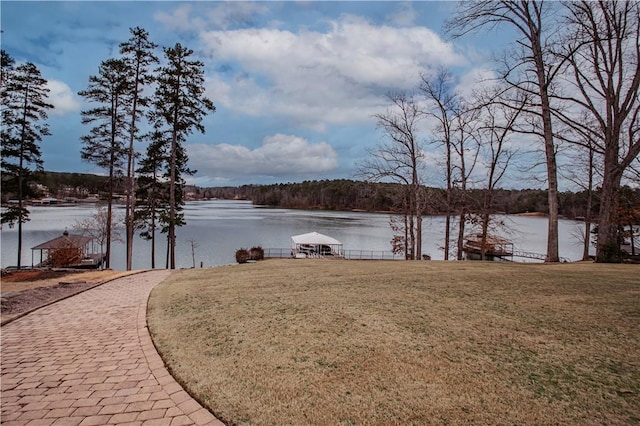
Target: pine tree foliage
{"points": [[6, 66], [105, 144], [24, 114], [138, 55], [152, 192], [179, 107]]}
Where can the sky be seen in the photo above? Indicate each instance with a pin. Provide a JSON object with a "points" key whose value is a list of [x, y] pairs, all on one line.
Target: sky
{"points": [[296, 84]]}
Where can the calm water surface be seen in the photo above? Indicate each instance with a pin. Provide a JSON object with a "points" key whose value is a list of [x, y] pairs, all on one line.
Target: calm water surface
{"points": [[219, 227]]}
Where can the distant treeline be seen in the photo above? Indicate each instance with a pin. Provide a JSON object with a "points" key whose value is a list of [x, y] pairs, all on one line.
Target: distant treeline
{"points": [[78, 182], [357, 195], [344, 194]]}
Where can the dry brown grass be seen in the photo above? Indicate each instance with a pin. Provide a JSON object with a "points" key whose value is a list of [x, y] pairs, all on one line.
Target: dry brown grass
{"points": [[344, 342]]}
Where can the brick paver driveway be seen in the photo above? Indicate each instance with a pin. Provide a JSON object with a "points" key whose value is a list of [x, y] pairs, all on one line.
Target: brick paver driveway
{"points": [[89, 360]]}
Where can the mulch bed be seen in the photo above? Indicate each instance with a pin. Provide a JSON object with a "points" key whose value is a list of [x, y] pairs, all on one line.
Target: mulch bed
{"points": [[25, 276], [12, 304]]}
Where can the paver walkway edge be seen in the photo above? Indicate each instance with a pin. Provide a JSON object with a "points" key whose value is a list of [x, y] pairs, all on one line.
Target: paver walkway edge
{"points": [[89, 360]]}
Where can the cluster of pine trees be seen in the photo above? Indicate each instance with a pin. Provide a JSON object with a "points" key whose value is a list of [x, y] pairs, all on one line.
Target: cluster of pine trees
{"points": [[123, 114], [24, 94], [136, 97]]}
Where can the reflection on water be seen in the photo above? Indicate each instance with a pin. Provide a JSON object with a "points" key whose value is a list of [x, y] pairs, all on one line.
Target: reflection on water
{"points": [[220, 227]]}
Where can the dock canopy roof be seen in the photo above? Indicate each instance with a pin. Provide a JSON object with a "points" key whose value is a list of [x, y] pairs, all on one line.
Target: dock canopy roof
{"points": [[64, 241], [315, 238], [314, 244], [67, 251]]}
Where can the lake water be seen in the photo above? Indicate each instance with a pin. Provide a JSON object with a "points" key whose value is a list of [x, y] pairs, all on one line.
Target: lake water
{"points": [[219, 227]]}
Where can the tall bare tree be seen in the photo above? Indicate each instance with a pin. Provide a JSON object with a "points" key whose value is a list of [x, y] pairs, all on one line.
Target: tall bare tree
{"points": [[399, 159], [99, 227], [532, 69], [441, 102], [455, 121], [584, 170], [603, 71], [496, 127], [467, 149]]}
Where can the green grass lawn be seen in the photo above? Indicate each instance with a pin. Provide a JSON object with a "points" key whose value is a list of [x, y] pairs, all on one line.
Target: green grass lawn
{"points": [[330, 342]]}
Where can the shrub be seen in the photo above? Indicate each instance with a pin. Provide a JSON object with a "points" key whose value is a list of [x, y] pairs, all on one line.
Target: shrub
{"points": [[242, 255], [610, 253], [256, 253]]}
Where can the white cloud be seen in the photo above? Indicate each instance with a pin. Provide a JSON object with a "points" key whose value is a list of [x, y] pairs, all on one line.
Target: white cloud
{"points": [[475, 79], [319, 78], [278, 156], [405, 15], [222, 16], [62, 98], [179, 19], [226, 14]]}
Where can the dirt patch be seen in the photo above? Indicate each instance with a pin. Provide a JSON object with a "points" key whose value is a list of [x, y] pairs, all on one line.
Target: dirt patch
{"points": [[23, 291]]}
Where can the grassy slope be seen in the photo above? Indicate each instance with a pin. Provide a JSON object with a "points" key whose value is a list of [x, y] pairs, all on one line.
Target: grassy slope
{"points": [[346, 342]]}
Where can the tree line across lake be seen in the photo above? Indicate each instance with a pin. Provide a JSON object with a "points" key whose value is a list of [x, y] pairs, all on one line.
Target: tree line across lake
{"points": [[345, 194]]}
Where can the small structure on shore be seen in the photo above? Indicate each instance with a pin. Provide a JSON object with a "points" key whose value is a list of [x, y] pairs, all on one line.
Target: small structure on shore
{"points": [[315, 244], [68, 251], [492, 248]]}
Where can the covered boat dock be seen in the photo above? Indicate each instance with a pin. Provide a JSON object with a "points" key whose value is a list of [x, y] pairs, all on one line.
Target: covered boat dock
{"points": [[314, 244], [68, 251]]}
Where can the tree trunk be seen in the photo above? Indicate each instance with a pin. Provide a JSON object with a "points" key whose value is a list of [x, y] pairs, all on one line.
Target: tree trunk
{"points": [[114, 124], [417, 212], [483, 239], [447, 228], [172, 178], [20, 204], [412, 237], [153, 226], [406, 236], [167, 259], [587, 216], [461, 223], [419, 235], [21, 176], [553, 254], [549, 146], [131, 182], [608, 246], [447, 235], [109, 214], [172, 204], [153, 243]]}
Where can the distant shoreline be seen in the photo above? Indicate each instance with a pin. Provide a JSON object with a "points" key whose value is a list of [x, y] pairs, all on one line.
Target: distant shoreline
{"points": [[531, 214]]}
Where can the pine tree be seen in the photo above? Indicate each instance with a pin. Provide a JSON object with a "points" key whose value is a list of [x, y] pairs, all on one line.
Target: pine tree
{"points": [[138, 55], [105, 143], [152, 191], [179, 108], [6, 66], [24, 111]]}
